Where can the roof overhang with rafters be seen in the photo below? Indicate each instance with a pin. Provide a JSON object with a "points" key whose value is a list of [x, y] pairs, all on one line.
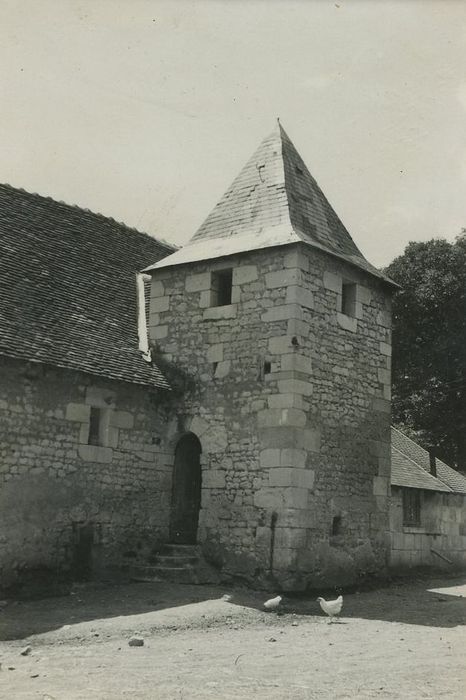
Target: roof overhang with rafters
{"points": [[274, 201]]}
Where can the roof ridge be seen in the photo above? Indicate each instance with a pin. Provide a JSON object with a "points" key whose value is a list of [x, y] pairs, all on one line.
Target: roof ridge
{"points": [[86, 210]]}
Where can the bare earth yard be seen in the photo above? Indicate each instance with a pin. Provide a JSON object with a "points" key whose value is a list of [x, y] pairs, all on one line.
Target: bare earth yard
{"points": [[403, 641]]}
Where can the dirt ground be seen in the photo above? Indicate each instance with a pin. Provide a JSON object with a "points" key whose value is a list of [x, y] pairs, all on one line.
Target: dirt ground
{"points": [[404, 641]]}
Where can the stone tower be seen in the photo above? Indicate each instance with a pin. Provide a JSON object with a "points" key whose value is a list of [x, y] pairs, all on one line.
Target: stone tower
{"points": [[285, 329]]}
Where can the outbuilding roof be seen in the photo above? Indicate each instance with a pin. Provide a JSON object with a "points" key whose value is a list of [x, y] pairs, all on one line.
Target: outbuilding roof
{"points": [[68, 287], [411, 467]]}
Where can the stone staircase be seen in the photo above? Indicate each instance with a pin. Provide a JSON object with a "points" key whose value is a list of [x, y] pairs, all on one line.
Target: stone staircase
{"points": [[176, 563]]}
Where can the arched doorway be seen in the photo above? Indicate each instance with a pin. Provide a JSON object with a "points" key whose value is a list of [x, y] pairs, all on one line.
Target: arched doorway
{"points": [[186, 492]]}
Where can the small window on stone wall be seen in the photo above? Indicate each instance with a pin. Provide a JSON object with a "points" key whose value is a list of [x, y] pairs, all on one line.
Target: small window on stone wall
{"points": [[221, 287], [348, 299], [336, 526], [95, 427], [411, 507]]}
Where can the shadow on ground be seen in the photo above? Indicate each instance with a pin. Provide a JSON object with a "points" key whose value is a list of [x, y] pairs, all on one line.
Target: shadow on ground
{"points": [[432, 602], [87, 602], [428, 602]]}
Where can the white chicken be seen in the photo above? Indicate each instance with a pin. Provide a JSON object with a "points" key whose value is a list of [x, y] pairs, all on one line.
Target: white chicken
{"points": [[331, 607], [273, 603]]}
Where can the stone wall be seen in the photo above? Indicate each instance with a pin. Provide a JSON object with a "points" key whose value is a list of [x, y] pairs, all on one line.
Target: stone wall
{"points": [[292, 408], [54, 486], [442, 528]]}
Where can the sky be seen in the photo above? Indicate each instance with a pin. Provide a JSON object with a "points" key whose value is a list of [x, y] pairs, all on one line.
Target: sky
{"points": [[146, 110]]}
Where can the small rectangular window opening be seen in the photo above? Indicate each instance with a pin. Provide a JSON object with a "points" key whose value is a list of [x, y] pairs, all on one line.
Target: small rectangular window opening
{"points": [[221, 287], [411, 507], [348, 299], [95, 422], [336, 525], [267, 366]]}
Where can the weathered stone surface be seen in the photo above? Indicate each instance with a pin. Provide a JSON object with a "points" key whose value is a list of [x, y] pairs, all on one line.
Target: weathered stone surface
{"points": [[291, 457], [215, 353], [332, 281], [270, 417], [213, 479], [157, 289], [159, 332], [282, 278], [215, 439], [160, 304], [295, 386], [244, 274], [52, 483], [220, 312], [223, 369], [198, 282], [285, 401], [296, 258], [384, 375], [297, 363], [198, 426], [78, 412], [282, 312], [291, 476], [95, 453], [349, 323], [381, 486], [122, 419], [301, 296], [102, 397], [280, 345], [270, 458], [385, 349]]}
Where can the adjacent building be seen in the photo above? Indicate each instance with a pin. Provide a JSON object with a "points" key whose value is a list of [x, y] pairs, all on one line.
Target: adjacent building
{"points": [[85, 476], [428, 509]]}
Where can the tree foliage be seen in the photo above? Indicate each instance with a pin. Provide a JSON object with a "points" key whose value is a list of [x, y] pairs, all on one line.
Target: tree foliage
{"points": [[429, 345]]}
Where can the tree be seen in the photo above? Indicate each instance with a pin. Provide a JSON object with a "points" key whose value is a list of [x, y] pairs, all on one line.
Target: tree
{"points": [[429, 345]]}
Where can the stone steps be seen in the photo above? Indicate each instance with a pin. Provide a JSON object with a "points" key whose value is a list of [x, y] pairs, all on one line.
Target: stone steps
{"points": [[177, 563], [173, 574]]}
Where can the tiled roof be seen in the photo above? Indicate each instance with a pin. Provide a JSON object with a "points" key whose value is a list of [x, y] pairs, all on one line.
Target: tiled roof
{"points": [[408, 458], [68, 289], [273, 201], [407, 473]]}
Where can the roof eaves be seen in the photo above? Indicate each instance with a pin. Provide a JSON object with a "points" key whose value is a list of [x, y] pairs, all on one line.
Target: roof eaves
{"points": [[154, 382]]}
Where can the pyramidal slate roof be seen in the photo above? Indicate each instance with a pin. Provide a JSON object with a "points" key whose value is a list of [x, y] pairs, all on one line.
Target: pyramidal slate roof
{"points": [[68, 288], [411, 468], [273, 201]]}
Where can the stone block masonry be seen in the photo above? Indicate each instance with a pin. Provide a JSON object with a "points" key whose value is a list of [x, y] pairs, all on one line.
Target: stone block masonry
{"points": [[440, 529], [292, 411], [54, 485]]}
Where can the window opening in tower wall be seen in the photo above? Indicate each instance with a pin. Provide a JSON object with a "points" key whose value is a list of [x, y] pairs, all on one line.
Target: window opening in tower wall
{"points": [[221, 286], [348, 299], [95, 422]]}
